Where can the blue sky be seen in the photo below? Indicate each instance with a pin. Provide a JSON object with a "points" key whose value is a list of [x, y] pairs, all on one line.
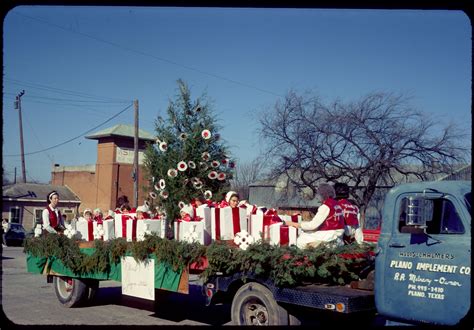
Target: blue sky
{"points": [[68, 58]]}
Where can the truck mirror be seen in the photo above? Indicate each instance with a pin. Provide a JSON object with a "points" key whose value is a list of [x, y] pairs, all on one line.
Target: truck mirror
{"points": [[415, 211]]}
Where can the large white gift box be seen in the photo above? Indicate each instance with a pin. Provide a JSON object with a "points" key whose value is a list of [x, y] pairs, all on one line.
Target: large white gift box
{"points": [[85, 230], [227, 221], [282, 235], [193, 231], [295, 218], [108, 228], [149, 226], [259, 224], [120, 223], [204, 212]]}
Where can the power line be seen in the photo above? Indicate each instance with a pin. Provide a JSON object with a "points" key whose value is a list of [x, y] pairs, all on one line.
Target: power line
{"points": [[70, 100], [149, 55], [61, 91], [74, 138]]}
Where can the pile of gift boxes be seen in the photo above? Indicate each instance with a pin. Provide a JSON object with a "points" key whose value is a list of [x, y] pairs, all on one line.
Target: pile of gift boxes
{"points": [[209, 224]]}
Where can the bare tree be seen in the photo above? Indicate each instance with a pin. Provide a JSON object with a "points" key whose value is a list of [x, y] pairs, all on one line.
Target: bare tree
{"points": [[374, 141], [245, 174]]}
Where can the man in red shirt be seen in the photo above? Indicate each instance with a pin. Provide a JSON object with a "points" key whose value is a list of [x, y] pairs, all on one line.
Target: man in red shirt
{"points": [[352, 231]]}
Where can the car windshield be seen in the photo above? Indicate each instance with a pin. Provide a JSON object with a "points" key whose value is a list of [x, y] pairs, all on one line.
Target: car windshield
{"points": [[16, 227]]}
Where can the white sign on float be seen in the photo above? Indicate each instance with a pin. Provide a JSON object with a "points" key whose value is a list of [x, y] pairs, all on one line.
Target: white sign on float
{"points": [[125, 156], [138, 278]]}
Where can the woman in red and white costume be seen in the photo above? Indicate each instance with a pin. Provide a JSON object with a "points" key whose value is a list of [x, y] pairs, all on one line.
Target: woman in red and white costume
{"points": [[327, 226], [52, 218]]}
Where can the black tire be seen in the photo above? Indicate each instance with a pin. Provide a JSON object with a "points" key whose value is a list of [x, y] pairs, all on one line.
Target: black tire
{"points": [[253, 304], [71, 292]]}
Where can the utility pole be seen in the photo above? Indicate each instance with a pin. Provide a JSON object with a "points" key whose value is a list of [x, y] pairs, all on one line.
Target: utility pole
{"points": [[135, 156], [18, 106]]}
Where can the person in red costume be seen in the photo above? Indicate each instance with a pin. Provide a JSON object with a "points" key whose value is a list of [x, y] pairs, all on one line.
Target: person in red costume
{"points": [[327, 226], [187, 212], [352, 230], [52, 218]]}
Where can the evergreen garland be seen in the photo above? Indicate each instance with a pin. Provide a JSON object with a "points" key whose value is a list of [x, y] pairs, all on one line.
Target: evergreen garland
{"points": [[285, 265]]}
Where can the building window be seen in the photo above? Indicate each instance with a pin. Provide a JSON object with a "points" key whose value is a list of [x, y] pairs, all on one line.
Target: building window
{"points": [[15, 215], [68, 214], [38, 216]]}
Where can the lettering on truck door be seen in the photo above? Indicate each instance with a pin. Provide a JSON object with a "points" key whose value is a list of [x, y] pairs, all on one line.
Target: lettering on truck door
{"points": [[428, 276]]}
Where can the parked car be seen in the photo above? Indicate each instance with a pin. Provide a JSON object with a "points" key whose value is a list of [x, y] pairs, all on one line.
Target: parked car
{"points": [[15, 235]]}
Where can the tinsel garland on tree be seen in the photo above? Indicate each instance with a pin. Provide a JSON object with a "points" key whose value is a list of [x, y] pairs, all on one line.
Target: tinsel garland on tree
{"points": [[285, 266]]}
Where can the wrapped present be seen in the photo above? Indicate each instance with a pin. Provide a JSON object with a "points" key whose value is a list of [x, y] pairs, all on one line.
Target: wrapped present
{"points": [[259, 224], [193, 231], [120, 223], [104, 230], [295, 218], [227, 221], [131, 229], [204, 212], [150, 226], [281, 234], [85, 230]]}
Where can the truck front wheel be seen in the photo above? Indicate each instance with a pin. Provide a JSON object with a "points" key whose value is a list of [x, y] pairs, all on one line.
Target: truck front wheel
{"points": [[71, 292], [253, 304]]}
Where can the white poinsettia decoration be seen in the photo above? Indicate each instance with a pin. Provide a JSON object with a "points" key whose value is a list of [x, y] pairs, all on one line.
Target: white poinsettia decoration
{"points": [[172, 173], [98, 232], [69, 231], [243, 239], [163, 146], [206, 134], [157, 141], [182, 166], [162, 184], [225, 161], [164, 194], [152, 195], [191, 164], [215, 163], [183, 136], [208, 194], [191, 235], [204, 166], [212, 175], [181, 204], [38, 230], [157, 187], [197, 185], [205, 156], [221, 176]]}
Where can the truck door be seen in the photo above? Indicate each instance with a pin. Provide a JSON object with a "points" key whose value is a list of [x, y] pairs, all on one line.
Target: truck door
{"points": [[426, 277]]}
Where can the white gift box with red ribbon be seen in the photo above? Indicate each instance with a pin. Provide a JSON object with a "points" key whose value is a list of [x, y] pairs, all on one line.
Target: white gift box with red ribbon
{"points": [[85, 230], [281, 234], [193, 231], [228, 221], [259, 224], [295, 218], [149, 226], [108, 227], [120, 223]]}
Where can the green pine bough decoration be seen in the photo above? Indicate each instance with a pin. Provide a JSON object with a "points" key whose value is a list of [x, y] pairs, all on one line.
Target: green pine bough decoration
{"points": [[285, 265]]}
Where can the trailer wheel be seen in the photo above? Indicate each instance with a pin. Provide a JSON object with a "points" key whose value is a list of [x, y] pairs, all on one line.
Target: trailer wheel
{"points": [[253, 304], [71, 292]]}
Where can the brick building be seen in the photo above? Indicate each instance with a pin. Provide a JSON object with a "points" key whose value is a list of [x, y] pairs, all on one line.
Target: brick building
{"points": [[99, 185]]}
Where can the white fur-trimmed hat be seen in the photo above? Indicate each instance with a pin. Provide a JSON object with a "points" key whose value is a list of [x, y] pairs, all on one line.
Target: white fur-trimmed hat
{"points": [[229, 195], [143, 208], [85, 211], [188, 209]]}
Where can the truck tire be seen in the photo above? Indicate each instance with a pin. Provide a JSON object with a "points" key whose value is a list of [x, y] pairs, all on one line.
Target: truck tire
{"points": [[71, 292], [253, 304]]}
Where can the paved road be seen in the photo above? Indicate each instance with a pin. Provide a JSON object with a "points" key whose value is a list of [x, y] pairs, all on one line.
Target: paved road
{"points": [[28, 300]]}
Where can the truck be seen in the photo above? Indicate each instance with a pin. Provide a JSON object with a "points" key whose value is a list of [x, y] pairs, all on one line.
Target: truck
{"points": [[421, 272]]}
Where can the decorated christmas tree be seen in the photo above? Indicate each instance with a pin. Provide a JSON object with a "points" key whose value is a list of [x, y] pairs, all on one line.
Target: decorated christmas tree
{"points": [[188, 160]]}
